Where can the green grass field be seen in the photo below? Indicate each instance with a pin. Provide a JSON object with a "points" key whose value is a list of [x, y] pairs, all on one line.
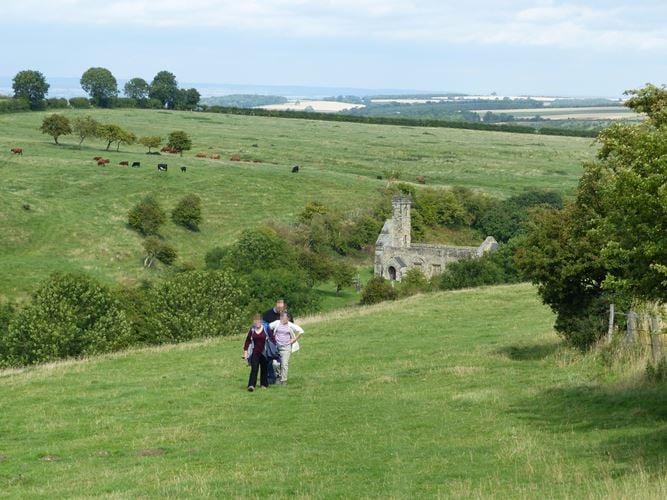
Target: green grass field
{"points": [[77, 220], [454, 395]]}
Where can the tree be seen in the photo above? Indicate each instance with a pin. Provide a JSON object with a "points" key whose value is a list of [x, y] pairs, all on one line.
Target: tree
{"points": [[126, 137], [147, 216], [151, 141], [377, 290], [56, 125], [188, 212], [180, 141], [165, 88], [84, 127], [157, 249], [342, 276], [187, 99], [136, 88], [30, 85], [100, 85]]}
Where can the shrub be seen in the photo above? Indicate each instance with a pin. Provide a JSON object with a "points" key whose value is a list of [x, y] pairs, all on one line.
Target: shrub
{"points": [[197, 304], [57, 103], [260, 247], [147, 216], [79, 103], [157, 249], [377, 290], [414, 282], [215, 258], [491, 269], [657, 372], [14, 105], [70, 315], [188, 212], [288, 283]]}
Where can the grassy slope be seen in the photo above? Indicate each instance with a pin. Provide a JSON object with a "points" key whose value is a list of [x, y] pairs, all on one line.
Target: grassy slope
{"points": [[78, 215], [460, 394]]}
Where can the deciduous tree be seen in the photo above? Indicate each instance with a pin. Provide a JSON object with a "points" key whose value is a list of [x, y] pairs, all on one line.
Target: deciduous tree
{"points": [[56, 125], [30, 85], [100, 85]]}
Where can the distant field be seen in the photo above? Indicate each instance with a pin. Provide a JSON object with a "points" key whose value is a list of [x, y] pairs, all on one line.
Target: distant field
{"points": [[583, 113], [319, 106], [79, 210], [491, 406]]}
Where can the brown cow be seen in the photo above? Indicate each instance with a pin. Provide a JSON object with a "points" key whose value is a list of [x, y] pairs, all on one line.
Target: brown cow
{"points": [[102, 162], [257, 161], [97, 158], [200, 155], [17, 151], [421, 179], [235, 158], [125, 163], [215, 157], [165, 149]]}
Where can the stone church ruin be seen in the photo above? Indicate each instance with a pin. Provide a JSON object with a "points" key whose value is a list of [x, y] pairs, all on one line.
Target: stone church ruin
{"points": [[395, 254]]}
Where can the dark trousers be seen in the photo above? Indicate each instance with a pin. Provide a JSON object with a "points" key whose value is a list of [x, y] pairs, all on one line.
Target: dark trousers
{"points": [[256, 362]]}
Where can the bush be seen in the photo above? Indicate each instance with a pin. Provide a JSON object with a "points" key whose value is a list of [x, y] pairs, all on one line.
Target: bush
{"points": [[57, 103], [491, 269], [377, 290], [70, 315], [584, 326], [197, 304], [188, 212], [657, 372], [215, 258], [79, 103], [146, 217], [14, 105], [414, 282], [157, 249], [260, 247], [288, 283]]}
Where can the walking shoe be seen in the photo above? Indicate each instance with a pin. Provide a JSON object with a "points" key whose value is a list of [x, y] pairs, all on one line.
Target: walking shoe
{"points": [[264, 386], [250, 388]]}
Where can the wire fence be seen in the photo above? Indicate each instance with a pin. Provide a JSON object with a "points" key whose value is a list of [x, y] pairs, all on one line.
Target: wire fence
{"points": [[639, 328]]}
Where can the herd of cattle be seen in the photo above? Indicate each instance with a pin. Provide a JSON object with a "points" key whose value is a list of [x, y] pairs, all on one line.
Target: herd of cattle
{"points": [[162, 167]]}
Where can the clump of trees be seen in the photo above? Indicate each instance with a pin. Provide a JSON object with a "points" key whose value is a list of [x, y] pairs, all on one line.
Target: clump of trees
{"points": [[610, 244]]}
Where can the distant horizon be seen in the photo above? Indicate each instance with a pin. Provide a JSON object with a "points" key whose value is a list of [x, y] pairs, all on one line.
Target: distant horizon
{"points": [[68, 86]]}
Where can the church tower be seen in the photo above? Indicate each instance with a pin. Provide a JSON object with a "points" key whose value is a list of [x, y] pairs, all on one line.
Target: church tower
{"points": [[400, 222]]}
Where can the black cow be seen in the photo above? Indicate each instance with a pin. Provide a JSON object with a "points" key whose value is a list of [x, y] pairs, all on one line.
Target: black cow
{"points": [[183, 168], [162, 167], [295, 169], [136, 164]]}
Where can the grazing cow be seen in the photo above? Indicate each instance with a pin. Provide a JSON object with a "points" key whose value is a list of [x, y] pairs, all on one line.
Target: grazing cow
{"points": [[101, 162], [124, 163], [165, 149], [17, 151], [379, 177], [257, 161], [26, 206], [255, 145], [97, 158], [183, 168], [200, 155], [421, 179], [235, 158], [295, 169], [215, 157], [136, 164], [162, 167]]}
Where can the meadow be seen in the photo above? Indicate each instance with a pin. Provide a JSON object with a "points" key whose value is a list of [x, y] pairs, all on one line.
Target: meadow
{"points": [[78, 211], [464, 394]]}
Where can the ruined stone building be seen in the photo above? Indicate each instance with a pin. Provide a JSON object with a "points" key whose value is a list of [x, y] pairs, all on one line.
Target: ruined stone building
{"points": [[395, 254]]}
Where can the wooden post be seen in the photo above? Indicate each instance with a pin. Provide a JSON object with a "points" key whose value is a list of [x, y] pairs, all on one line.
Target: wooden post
{"points": [[610, 331], [656, 347], [632, 327]]}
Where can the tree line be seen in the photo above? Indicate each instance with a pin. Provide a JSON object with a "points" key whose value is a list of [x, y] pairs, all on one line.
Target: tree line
{"points": [[31, 88]]}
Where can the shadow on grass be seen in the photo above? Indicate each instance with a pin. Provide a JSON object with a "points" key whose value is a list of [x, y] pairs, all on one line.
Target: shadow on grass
{"points": [[533, 352], [627, 422]]}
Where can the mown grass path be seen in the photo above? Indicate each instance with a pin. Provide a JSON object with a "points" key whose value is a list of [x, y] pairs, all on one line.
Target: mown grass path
{"points": [[461, 394]]}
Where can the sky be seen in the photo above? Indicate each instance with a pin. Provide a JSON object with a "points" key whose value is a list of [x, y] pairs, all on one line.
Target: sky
{"points": [[543, 47]]}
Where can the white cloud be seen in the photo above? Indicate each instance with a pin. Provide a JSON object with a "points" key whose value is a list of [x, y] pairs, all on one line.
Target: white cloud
{"points": [[582, 24]]}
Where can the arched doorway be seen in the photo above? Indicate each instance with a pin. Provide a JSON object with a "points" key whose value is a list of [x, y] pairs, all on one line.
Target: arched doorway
{"points": [[392, 273]]}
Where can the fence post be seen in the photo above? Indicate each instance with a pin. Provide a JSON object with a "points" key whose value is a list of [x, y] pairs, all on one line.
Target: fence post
{"points": [[632, 327], [610, 332], [656, 347]]}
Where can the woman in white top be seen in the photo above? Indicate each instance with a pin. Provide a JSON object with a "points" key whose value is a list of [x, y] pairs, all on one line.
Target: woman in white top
{"points": [[286, 334]]}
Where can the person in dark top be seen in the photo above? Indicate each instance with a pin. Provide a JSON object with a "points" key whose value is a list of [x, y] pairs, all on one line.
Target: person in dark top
{"points": [[256, 338], [273, 314]]}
